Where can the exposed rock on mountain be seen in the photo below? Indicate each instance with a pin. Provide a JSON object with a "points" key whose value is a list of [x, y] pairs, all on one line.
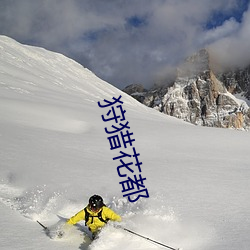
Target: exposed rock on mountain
{"points": [[199, 96], [237, 81], [137, 91]]}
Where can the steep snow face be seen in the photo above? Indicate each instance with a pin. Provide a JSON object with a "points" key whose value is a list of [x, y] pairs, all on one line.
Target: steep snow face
{"points": [[38, 74], [55, 154]]}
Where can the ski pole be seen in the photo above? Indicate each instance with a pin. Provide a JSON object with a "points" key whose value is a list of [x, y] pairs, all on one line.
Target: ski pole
{"points": [[159, 243], [45, 228]]}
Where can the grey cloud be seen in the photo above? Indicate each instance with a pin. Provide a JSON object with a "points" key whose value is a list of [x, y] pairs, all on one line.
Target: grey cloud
{"points": [[228, 28], [102, 36], [233, 49]]}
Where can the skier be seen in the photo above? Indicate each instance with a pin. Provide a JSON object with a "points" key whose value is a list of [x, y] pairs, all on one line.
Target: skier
{"points": [[95, 214]]}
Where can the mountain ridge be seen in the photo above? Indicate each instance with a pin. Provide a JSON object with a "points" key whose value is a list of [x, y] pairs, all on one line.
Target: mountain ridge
{"points": [[201, 95]]}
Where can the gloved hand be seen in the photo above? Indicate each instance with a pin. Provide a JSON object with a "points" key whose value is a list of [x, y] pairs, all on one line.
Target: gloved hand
{"points": [[62, 230], [60, 233]]}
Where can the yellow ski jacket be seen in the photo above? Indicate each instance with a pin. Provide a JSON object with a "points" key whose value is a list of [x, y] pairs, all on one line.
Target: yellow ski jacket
{"points": [[94, 223]]}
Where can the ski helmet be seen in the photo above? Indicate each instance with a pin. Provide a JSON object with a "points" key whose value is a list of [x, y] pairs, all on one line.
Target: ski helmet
{"points": [[95, 202]]}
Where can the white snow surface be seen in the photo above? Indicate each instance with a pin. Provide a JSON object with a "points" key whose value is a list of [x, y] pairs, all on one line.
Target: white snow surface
{"points": [[55, 154]]}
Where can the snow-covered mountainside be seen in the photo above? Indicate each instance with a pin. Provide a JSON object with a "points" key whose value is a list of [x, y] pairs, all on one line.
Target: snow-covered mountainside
{"points": [[200, 96], [55, 154]]}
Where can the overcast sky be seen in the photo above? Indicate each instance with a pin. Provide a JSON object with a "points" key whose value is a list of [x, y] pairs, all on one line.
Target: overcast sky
{"points": [[131, 41]]}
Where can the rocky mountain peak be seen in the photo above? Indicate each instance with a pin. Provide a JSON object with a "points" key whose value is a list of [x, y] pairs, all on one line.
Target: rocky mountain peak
{"points": [[196, 64], [200, 96]]}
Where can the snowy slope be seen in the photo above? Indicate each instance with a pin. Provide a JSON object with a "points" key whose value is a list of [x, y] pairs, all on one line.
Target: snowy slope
{"points": [[55, 154]]}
